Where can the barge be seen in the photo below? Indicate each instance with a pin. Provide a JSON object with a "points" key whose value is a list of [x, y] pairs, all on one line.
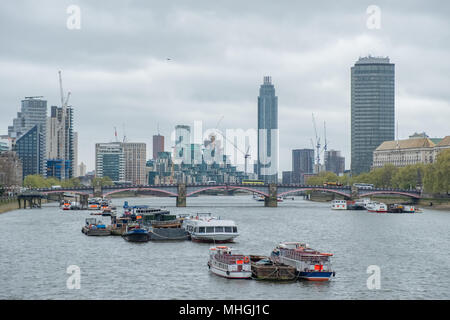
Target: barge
{"points": [[264, 268], [310, 264]]}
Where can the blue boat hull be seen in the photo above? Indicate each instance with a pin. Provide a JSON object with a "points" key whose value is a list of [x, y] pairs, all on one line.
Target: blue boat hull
{"points": [[316, 276]]}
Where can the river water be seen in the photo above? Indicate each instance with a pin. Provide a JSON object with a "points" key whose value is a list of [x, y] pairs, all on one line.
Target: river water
{"points": [[411, 250]]}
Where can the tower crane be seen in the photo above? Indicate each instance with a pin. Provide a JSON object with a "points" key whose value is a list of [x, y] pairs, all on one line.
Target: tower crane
{"points": [[317, 141]]}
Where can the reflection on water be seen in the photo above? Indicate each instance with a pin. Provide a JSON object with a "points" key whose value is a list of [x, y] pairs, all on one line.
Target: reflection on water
{"points": [[412, 251]]}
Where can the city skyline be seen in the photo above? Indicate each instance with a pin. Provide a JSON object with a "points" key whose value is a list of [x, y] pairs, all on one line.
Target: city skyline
{"points": [[128, 89]]}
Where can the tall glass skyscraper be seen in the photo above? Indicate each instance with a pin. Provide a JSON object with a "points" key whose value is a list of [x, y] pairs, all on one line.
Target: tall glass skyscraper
{"points": [[30, 148], [372, 109], [267, 132]]}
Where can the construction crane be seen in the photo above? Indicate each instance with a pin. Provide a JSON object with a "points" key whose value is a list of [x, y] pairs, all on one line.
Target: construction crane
{"points": [[66, 101], [246, 156], [317, 141]]}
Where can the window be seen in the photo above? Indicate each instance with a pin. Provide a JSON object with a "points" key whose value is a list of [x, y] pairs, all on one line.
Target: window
{"points": [[218, 229], [209, 229], [235, 229], [201, 230], [229, 229]]}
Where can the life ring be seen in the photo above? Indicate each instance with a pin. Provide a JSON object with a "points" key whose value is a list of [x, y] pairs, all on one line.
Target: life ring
{"points": [[246, 260]]}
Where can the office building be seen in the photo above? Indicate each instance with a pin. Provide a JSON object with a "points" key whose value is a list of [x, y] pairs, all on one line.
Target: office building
{"points": [[372, 109], [302, 163], [31, 121], [135, 155], [62, 141], [30, 148], [58, 168], [81, 170], [110, 161], [267, 132], [158, 145], [334, 162]]}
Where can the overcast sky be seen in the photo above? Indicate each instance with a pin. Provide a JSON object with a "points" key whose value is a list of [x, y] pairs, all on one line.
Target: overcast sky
{"points": [[117, 69]]}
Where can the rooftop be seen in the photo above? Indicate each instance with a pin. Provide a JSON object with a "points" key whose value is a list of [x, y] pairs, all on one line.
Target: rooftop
{"points": [[412, 143]]}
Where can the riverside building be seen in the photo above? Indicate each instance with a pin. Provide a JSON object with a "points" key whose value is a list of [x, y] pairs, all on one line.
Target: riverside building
{"points": [[372, 109]]}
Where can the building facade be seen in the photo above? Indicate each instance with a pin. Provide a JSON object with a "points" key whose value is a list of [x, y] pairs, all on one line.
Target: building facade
{"points": [[135, 155], [372, 109], [30, 148], [10, 170], [61, 140], [110, 161], [410, 151], [267, 132], [334, 162], [182, 151], [302, 163], [158, 145], [30, 121]]}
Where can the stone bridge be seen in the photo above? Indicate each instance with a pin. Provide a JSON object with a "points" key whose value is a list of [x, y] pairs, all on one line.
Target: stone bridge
{"points": [[270, 191]]}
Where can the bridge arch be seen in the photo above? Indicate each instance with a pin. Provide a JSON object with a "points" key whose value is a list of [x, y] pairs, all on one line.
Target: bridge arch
{"points": [[387, 192], [226, 188], [139, 189], [314, 189]]}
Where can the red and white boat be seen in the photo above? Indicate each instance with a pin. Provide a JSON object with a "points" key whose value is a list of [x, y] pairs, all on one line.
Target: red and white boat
{"points": [[225, 262]]}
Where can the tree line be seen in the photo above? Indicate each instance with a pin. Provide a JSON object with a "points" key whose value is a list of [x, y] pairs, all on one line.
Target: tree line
{"points": [[38, 181], [432, 178]]}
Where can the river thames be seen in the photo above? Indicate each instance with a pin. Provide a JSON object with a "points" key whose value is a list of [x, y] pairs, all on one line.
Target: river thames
{"points": [[411, 250]]}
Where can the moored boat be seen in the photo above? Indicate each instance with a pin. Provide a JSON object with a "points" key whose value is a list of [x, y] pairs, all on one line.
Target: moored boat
{"points": [[310, 264], [264, 268], [94, 227], [378, 207], [339, 204], [226, 262], [136, 233], [205, 228]]}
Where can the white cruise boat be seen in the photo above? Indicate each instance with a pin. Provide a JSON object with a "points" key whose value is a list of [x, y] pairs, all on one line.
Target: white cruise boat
{"points": [[339, 204], [377, 207], [205, 228], [226, 262]]}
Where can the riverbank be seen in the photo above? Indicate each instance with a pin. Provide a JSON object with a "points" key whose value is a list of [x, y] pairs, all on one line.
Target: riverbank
{"points": [[8, 205]]}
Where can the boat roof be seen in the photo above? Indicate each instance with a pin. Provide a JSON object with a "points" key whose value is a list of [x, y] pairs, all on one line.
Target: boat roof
{"points": [[211, 222]]}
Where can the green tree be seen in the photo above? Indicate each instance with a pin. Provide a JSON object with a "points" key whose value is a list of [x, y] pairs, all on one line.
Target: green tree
{"points": [[442, 172], [321, 178], [409, 176], [105, 181]]}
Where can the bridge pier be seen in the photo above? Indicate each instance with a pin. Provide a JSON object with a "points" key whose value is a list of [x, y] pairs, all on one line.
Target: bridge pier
{"points": [[181, 198], [84, 201], [98, 192], [271, 200]]}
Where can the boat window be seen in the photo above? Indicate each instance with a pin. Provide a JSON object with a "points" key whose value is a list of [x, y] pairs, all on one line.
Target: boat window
{"points": [[201, 229], [228, 229], [234, 229], [209, 229], [218, 229]]}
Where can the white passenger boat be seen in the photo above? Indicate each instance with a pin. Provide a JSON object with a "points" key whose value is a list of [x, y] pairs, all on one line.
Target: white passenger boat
{"points": [[205, 228], [339, 204], [377, 207], [226, 262]]}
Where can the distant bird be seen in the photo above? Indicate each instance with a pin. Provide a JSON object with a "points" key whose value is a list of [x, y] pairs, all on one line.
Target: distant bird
{"points": [[168, 59]]}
